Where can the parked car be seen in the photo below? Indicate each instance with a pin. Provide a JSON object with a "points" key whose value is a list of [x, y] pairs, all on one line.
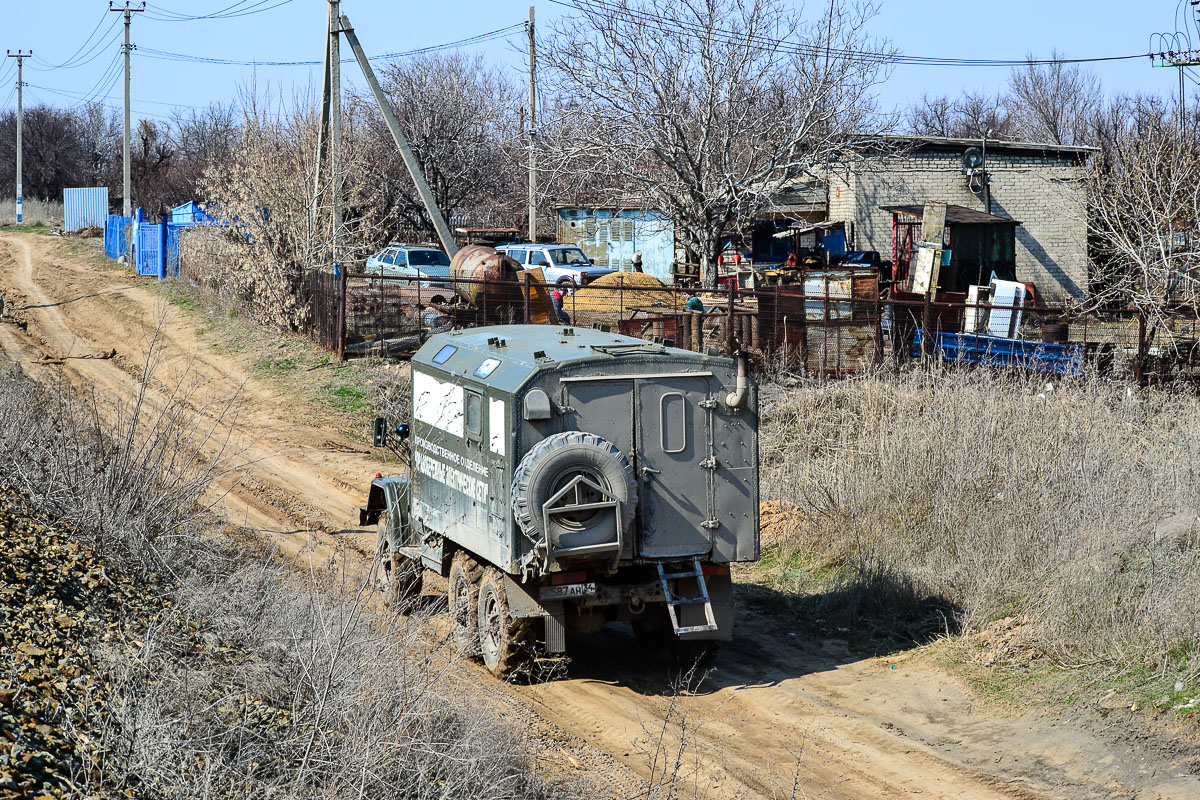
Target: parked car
{"points": [[412, 261], [562, 264], [860, 258]]}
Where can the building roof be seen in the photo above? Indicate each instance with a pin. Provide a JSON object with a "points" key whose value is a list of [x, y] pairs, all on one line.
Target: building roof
{"points": [[998, 144], [956, 215]]}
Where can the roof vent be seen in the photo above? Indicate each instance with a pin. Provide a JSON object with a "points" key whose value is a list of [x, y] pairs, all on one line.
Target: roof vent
{"points": [[496, 341], [541, 357]]}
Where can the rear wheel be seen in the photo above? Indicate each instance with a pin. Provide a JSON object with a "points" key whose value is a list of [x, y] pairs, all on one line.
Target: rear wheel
{"points": [[464, 599], [399, 578], [652, 628], [690, 654], [566, 284], [505, 642]]}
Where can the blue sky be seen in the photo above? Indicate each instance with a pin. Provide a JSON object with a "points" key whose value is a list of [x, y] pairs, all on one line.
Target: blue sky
{"points": [[55, 29]]}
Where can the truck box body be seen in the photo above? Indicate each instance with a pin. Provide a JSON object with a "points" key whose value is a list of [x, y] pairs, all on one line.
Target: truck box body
{"points": [[482, 398]]}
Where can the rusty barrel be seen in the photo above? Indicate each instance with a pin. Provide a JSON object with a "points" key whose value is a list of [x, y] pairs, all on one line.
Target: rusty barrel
{"points": [[476, 263]]}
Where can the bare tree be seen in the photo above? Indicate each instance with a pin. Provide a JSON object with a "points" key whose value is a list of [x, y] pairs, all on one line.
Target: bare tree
{"points": [[459, 116], [1145, 203], [969, 117], [706, 108], [1054, 102], [99, 131]]}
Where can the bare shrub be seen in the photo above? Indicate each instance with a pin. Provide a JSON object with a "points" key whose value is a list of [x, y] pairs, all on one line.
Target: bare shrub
{"points": [[1072, 506], [291, 688], [130, 478], [237, 677]]}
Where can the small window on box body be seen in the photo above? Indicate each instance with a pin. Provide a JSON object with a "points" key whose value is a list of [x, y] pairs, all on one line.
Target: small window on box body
{"points": [[443, 355], [474, 413]]}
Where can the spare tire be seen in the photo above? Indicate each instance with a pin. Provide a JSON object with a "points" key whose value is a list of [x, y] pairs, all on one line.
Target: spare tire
{"points": [[552, 464]]}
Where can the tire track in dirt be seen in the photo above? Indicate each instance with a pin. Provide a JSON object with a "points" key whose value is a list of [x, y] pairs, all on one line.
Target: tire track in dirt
{"points": [[776, 708]]}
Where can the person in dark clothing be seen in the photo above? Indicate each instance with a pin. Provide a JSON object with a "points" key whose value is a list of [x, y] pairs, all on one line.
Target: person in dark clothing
{"points": [[556, 300]]}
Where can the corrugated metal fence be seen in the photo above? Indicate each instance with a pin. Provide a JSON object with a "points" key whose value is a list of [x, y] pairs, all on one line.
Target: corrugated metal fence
{"points": [[84, 208]]}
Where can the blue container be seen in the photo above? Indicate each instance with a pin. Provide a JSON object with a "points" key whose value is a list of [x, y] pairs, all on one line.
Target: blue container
{"points": [[965, 348]]}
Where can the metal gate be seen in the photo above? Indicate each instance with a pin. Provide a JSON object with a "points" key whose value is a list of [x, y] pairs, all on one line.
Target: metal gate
{"points": [[115, 236], [148, 248]]}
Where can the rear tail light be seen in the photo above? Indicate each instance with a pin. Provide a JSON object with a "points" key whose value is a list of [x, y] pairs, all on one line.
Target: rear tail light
{"points": [[561, 578], [715, 569]]}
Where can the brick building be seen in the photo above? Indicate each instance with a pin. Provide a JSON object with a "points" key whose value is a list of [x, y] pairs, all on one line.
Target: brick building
{"points": [[1039, 185]]}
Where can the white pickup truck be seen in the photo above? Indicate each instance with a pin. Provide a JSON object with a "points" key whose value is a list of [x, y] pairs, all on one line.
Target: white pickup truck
{"points": [[564, 265]]}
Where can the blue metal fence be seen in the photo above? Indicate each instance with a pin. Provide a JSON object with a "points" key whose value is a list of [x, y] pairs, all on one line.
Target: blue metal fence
{"points": [[115, 232], [148, 249], [173, 235], [84, 208]]}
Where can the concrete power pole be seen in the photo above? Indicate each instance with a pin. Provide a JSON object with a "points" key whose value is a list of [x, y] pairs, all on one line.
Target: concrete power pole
{"points": [[335, 124], [532, 131], [127, 207], [20, 57], [410, 161]]}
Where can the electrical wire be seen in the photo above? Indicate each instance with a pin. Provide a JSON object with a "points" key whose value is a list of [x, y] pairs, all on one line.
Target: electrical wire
{"points": [[763, 42], [162, 14], [92, 54], [499, 33], [70, 63]]}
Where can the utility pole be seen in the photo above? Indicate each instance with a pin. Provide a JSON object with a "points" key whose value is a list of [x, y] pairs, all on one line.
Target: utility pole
{"points": [[532, 131], [410, 161], [128, 11], [20, 57], [335, 124]]}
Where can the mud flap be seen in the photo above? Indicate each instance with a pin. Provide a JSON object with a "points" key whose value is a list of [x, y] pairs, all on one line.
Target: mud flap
{"points": [[720, 594], [521, 603]]}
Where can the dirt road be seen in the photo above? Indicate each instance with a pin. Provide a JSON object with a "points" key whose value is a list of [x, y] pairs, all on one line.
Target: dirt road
{"points": [[780, 709]]}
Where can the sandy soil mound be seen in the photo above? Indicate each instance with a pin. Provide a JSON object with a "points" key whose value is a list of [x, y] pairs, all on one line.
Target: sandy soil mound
{"points": [[780, 521], [620, 291]]}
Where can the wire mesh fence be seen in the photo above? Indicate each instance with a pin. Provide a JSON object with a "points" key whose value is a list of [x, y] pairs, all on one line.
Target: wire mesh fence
{"points": [[827, 325]]}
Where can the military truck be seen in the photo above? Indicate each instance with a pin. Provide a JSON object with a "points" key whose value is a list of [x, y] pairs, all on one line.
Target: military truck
{"points": [[563, 478]]}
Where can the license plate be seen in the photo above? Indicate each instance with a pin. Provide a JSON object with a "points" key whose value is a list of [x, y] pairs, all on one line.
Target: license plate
{"points": [[569, 591]]}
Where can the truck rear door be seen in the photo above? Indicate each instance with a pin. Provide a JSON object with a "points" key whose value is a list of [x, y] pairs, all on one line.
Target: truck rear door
{"points": [[675, 466]]}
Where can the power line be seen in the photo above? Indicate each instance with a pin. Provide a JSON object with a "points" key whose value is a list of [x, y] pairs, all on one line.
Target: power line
{"points": [[161, 14], [499, 33], [70, 59], [92, 54], [763, 42]]}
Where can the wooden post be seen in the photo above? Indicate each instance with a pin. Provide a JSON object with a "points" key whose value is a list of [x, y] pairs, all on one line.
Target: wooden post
{"points": [[1139, 367], [729, 317], [342, 313], [697, 320], [525, 297], [879, 327], [926, 320]]}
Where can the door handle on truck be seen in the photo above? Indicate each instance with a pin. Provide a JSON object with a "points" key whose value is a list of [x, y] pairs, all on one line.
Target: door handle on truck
{"points": [[648, 471]]}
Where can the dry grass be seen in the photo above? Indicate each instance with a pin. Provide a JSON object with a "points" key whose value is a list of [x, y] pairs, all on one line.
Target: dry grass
{"points": [[238, 677], [47, 213], [1070, 507]]}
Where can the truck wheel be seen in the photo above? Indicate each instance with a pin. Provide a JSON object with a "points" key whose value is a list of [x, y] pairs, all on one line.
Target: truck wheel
{"points": [[652, 628], [400, 578], [566, 284], [551, 465], [690, 653], [464, 600], [505, 642]]}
